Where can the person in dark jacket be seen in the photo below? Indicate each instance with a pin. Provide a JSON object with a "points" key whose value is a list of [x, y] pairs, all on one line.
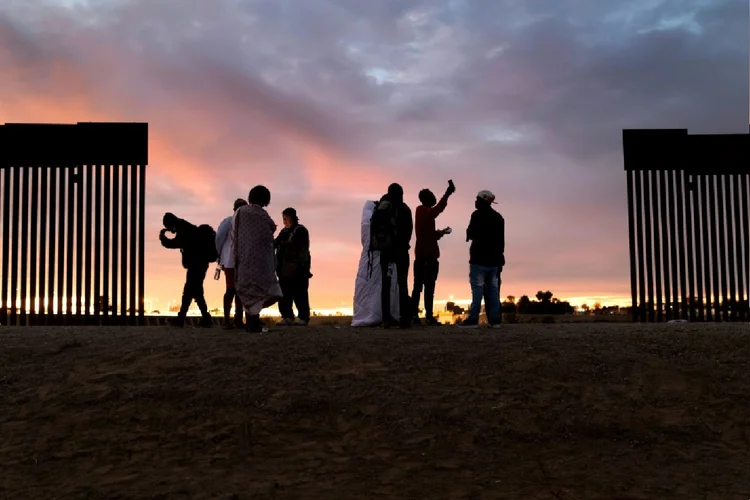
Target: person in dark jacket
{"points": [[186, 239], [293, 268], [486, 232], [427, 251], [399, 255]]}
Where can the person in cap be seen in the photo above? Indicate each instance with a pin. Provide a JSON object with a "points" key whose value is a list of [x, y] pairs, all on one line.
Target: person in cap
{"points": [[226, 262], [486, 232], [293, 262]]}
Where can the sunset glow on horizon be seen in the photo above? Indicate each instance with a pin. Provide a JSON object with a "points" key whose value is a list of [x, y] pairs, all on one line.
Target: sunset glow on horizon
{"points": [[328, 102]]}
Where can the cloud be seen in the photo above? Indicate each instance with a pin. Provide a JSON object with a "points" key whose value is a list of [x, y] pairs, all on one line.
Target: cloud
{"points": [[327, 102]]}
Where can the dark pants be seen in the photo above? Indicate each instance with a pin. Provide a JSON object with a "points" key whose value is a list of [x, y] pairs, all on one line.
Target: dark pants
{"points": [[425, 276], [295, 292], [229, 296], [401, 260], [488, 300], [193, 290]]}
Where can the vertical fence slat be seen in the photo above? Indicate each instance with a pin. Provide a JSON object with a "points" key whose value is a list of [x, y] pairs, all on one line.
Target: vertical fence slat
{"points": [[680, 188], [655, 186], [690, 229], [721, 223], [665, 243], [115, 238], [731, 255], [124, 248], [24, 263], [631, 242], [715, 296], [80, 249], [87, 246], [639, 237], [746, 240], [53, 248], [706, 247], [133, 308], [43, 217], [742, 264], [33, 246], [107, 237], [14, 248], [70, 243], [97, 241], [6, 241], [141, 243]]}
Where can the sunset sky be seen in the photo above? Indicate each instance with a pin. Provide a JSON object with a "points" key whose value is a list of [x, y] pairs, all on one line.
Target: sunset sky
{"points": [[326, 102]]}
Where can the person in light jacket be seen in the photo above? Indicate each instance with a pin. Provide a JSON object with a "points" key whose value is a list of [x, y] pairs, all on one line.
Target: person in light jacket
{"points": [[226, 262]]}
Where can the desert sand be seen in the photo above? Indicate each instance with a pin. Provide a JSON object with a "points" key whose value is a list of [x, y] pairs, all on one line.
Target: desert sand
{"points": [[558, 411]]}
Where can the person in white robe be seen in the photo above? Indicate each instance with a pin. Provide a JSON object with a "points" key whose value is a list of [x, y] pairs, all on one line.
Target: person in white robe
{"points": [[367, 310]]}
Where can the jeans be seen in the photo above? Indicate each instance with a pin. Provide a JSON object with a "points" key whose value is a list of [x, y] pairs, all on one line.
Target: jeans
{"points": [[487, 295], [401, 259], [296, 291], [479, 276], [425, 275], [194, 290]]}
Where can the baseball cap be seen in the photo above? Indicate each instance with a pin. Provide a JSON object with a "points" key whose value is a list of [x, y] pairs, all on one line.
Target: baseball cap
{"points": [[487, 196]]}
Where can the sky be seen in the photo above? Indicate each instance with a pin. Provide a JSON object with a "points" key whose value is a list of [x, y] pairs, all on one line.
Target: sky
{"points": [[326, 102]]}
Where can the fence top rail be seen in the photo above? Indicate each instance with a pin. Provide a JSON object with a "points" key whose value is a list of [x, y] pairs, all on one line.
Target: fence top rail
{"points": [[675, 149], [67, 145]]}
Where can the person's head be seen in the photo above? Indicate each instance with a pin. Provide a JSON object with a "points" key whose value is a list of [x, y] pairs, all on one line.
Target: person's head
{"points": [[427, 197], [290, 217], [484, 199], [170, 221], [259, 195], [239, 202], [396, 192]]}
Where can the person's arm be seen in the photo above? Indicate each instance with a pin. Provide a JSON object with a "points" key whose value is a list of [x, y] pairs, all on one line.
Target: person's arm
{"points": [[235, 225], [408, 225], [171, 243], [440, 207], [471, 231], [501, 231]]}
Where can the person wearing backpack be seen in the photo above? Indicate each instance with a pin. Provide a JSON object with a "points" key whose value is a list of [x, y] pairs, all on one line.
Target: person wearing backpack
{"points": [[198, 248], [427, 251], [391, 228], [226, 261], [293, 268]]}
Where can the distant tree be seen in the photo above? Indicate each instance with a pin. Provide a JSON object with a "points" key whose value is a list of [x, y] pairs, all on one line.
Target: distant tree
{"points": [[524, 305], [510, 299]]}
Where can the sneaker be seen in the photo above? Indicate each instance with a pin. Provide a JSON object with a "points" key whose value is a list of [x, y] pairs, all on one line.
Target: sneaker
{"points": [[300, 322], [285, 322], [496, 325], [431, 322], [417, 321], [469, 323], [206, 322]]}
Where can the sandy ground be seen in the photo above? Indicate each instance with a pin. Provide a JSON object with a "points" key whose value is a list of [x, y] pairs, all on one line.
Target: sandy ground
{"points": [[607, 411]]}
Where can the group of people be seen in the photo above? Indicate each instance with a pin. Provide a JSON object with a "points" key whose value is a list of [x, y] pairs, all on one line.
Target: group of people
{"points": [[261, 269], [382, 279]]}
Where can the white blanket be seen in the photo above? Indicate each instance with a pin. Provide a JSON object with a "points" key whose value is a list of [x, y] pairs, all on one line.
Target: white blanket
{"points": [[367, 286]]}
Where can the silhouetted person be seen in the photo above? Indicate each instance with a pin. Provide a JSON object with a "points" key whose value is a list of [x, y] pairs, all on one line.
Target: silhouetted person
{"points": [[196, 257], [255, 271], [293, 267], [391, 229], [427, 251], [486, 232], [226, 261]]}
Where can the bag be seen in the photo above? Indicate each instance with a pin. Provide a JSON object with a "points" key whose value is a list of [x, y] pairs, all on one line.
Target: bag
{"points": [[383, 227], [207, 243]]}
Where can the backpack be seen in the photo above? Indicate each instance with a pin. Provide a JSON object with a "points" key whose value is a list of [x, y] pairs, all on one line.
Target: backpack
{"points": [[383, 227], [206, 244]]}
